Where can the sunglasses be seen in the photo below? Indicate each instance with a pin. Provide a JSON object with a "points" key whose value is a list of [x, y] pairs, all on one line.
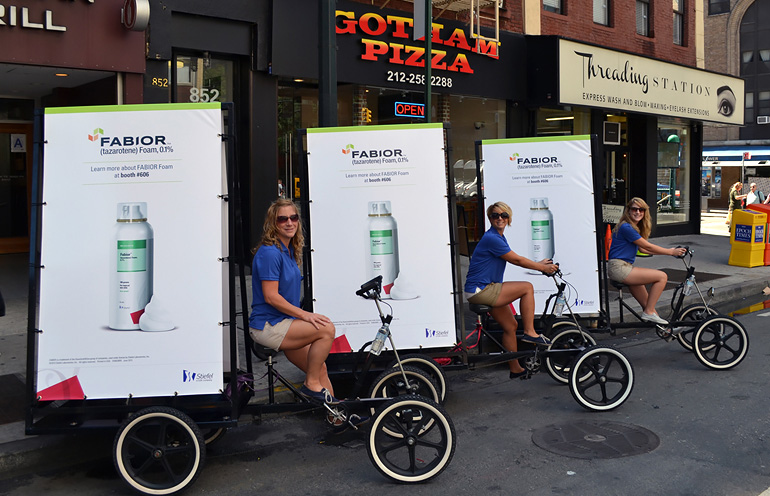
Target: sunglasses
{"points": [[638, 209], [495, 215], [282, 219]]}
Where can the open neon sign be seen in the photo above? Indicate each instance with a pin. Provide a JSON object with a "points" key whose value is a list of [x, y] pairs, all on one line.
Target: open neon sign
{"points": [[415, 110]]}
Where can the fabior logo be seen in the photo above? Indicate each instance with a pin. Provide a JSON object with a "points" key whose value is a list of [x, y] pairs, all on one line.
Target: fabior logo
{"points": [[94, 137], [397, 52], [129, 145], [378, 153], [348, 148], [190, 376], [535, 162]]}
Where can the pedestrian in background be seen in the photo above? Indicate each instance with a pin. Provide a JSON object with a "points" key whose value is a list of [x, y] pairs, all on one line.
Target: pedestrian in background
{"points": [[735, 198], [754, 195]]}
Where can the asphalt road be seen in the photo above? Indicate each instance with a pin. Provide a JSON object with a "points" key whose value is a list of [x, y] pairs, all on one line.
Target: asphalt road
{"points": [[713, 428]]}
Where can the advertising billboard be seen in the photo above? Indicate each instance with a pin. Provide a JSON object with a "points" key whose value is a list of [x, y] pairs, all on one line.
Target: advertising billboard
{"points": [[378, 206], [132, 286], [548, 184]]}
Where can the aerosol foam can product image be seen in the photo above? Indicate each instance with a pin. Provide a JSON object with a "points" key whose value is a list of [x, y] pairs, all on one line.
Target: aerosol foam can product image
{"points": [[541, 244], [383, 244], [131, 266]]}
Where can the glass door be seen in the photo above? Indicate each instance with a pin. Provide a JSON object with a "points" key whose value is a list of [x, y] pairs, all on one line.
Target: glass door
{"points": [[15, 186], [616, 184]]}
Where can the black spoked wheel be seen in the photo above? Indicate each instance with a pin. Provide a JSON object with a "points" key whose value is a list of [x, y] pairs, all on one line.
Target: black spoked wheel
{"points": [[403, 448], [159, 451], [391, 383], [601, 378], [429, 366], [721, 342], [694, 313], [567, 337]]}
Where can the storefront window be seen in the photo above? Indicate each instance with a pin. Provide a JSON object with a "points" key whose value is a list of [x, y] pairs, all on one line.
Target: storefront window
{"points": [[563, 122], [673, 174], [203, 79]]}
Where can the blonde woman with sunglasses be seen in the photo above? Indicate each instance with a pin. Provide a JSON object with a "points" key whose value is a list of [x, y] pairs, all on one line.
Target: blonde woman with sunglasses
{"points": [[276, 320], [631, 235], [484, 283]]}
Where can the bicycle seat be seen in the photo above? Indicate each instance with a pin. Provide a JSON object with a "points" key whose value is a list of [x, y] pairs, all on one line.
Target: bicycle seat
{"points": [[262, 352], [616, 284], [479, 309]]}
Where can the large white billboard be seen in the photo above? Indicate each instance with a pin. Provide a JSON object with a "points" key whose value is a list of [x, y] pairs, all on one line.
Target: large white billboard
{"points": [[131, 289], [548, 184], [378, 206]]}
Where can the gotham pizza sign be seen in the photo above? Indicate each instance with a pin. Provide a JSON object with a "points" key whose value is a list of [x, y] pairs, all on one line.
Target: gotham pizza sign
{"points": [[376, 47]]}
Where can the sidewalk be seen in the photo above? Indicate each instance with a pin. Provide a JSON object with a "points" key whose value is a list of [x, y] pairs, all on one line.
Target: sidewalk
{"points": [[25, 454]]}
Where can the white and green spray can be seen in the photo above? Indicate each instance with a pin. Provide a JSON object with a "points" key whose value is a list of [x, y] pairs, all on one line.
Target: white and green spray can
{"points": [[541, 244], [383, 244], [131, 269]]}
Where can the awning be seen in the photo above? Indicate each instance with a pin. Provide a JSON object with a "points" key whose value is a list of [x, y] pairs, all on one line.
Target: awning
{"points": [[733, 156]]}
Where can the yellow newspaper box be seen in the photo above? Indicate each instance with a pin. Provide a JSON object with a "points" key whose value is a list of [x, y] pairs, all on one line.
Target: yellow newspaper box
{"points": [[747, 238]]}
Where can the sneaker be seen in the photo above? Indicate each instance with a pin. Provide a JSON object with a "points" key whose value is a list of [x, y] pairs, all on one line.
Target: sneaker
{"points": [[518, 375], [319, 397], [654, 318], [539, 339]]}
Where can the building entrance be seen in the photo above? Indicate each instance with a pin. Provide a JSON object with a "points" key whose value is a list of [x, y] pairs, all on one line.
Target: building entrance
{"points": [[15, 186]]}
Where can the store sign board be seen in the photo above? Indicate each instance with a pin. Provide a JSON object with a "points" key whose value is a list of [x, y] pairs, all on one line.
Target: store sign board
{"points": [[548, 184], [84, 34], [599, 77], [116, 296], [375, 46], [378, 179]]}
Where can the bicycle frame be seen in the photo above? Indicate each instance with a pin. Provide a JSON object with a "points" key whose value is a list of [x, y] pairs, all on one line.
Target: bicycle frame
{"points": [[677, 305]]}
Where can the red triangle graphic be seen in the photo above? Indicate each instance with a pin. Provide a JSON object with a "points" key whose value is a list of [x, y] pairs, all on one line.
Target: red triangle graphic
{"points": [[341, 345], [68, 389]]}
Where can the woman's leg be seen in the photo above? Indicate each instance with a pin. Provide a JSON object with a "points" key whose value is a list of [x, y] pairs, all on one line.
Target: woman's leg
{"points": [[636, 282], [307, 348], [520, 290], [507, 321], [502, 314]]}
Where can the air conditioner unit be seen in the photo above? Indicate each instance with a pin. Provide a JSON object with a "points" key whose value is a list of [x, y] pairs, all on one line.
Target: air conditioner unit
{"points": [[763, 119]]}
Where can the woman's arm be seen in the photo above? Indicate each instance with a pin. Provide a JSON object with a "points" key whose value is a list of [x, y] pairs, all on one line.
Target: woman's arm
{"points": [[651, 249], [275, 300], [546, 265]]}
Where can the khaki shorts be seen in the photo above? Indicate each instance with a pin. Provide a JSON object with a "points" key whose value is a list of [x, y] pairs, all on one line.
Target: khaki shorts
{"points": [[618, 270], [272, 335], [487, 296]]}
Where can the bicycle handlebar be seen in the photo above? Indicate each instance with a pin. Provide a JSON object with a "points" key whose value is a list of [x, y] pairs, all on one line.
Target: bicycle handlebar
{"points": [[687, 251]]}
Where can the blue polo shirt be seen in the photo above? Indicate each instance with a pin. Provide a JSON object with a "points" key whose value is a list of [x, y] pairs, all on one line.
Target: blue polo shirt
{"points": [[486, 266], [273, 263], [623, 246]]}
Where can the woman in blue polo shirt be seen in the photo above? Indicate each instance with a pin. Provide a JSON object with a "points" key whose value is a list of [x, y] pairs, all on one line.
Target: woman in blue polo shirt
{"points": [[631, 235], [276, 320], [484, 283]]}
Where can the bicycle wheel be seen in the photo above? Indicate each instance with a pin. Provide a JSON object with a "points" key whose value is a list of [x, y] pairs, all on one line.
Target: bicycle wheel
{"points": [[557, 326], [568, 337], [403, 448], [212, 435], [429, 366], [159, 450], [391, 383], [601, 378], [692, 312], [721, 342]]}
